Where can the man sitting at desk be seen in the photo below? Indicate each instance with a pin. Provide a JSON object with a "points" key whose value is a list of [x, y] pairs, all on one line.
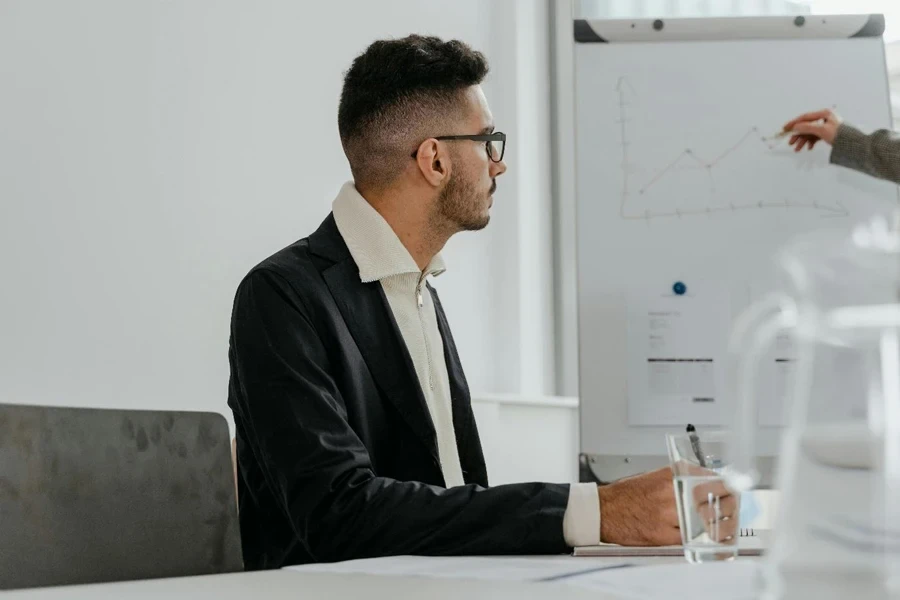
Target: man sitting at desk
{"points": [[355, 432]]}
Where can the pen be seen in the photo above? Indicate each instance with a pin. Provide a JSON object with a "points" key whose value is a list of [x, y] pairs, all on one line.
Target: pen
{"points": [[784, 133], [695, 445]]}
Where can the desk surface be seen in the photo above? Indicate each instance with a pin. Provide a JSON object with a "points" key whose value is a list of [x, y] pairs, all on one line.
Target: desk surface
{"points": [[299, 585]]}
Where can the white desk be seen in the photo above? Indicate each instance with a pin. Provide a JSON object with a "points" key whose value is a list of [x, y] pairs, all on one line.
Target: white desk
{"points": [[298, 586]]}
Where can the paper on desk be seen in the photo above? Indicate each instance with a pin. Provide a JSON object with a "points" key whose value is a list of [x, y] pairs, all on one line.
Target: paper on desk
{"points": [[738, 580], [716, 581], [555, 568], [750, 543]]}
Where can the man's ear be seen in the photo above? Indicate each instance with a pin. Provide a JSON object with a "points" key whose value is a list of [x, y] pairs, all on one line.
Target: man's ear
{"points": [[433, 161]]}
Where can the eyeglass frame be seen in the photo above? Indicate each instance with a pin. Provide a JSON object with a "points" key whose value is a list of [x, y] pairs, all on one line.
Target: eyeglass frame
{"points": [[497, 136]]}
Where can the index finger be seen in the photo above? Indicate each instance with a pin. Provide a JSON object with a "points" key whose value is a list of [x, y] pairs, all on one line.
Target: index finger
{"points": [[810, 116], [710, 491]]}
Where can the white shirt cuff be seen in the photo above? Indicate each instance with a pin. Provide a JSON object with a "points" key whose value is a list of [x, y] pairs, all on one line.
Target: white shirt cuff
{"points": [[581, 522]]}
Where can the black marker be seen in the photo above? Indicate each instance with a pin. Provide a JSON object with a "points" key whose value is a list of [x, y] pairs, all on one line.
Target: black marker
{"points": [[695, 444]]}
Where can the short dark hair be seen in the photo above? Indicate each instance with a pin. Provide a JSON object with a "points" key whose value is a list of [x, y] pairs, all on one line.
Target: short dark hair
{"points": [[396, 94]]}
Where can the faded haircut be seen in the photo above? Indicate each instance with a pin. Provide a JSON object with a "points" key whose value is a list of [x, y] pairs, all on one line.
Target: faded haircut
{"points": [[398, 93]]}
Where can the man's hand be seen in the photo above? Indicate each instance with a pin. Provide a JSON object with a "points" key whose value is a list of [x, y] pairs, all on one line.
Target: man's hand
{"points": [[809, 128], [640, 511], [718, 509]]}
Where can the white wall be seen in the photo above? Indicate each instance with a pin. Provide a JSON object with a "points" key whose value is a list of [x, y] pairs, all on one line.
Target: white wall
{"points": [[528, 438], [522, 223], [151, 152]]}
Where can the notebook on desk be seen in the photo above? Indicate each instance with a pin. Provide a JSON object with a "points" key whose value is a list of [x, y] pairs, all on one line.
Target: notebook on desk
{"points": [[752, 542]]}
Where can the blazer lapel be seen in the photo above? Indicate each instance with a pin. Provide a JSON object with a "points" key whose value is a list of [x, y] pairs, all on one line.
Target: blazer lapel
{"points": [[467, 441], [367, 314]]}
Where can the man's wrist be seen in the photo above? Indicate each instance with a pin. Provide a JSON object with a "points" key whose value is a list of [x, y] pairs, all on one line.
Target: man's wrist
{"points": [[603, 495]]}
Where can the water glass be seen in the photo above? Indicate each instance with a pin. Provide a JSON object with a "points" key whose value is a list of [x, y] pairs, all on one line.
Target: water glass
{"points": [[708, 511]]}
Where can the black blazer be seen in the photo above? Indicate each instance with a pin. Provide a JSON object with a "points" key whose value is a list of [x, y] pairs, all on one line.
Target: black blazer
{"points": [[337, 455]]}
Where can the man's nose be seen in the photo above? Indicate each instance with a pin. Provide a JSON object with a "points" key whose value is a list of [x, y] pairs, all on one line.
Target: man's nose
{"points": [[498, 168]]}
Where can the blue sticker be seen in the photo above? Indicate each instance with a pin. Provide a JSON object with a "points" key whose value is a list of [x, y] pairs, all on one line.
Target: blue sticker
{"points": [[749, 509]]}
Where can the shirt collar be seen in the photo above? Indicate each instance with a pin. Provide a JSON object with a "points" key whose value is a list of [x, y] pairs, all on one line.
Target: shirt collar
{"points": [[374, 246]]}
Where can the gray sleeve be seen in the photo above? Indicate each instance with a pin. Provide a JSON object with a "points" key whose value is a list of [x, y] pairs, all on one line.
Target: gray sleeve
{"points": [[876, 154]]}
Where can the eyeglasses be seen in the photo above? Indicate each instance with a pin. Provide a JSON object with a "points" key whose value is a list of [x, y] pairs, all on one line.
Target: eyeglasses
{"points": [[494, 142]]}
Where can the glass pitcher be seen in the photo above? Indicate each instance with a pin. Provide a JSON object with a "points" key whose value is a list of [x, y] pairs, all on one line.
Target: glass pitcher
{"points": [[837, 533]]}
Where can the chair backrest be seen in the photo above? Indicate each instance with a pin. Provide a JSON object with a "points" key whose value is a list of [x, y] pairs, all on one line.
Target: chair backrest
{"points": [[89, 495]]}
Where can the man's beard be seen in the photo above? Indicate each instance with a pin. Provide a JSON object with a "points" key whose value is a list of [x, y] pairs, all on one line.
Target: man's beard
{"points": [[457, 205]]}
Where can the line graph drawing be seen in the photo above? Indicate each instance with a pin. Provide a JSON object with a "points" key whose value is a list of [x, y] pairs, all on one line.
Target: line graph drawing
{"points": [[690, 159], [708, 165]]}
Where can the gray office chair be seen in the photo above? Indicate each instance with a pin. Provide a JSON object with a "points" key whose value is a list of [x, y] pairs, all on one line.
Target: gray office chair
{"points": [[90, 495]]}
